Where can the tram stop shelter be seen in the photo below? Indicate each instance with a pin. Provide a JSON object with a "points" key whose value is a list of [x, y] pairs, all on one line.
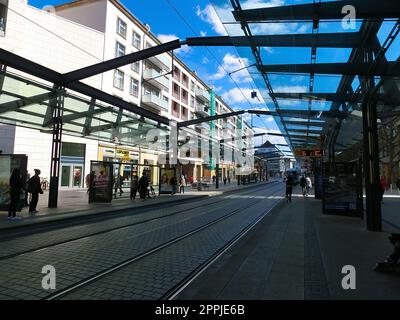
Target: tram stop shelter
{"points": [[351, 75]]}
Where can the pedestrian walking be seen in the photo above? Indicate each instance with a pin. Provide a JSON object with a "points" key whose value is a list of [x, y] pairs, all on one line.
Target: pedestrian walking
{"points": [[173, 183], [225, 181], [119, 182], [303, 184], [34, 188], [134, 186], [289, 188], [308, 185], [16, 188]]}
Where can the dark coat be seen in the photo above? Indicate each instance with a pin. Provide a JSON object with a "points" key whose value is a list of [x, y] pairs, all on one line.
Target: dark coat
{"points": [[34, 185]]}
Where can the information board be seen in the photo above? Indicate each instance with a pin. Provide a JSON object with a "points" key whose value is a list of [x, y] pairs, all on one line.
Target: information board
{"points": [[101, 190], [342, 192], [165, 180], [314, 153]]}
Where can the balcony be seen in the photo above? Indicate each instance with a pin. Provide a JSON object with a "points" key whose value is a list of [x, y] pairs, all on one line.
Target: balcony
{"points": [[156, 79], [154, 101], [202, 94], [203, 125], [161, 61], [202, 110]]}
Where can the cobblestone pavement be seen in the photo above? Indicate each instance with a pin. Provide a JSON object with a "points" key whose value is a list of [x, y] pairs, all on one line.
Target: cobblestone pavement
{"points": [[82, 258], [19, 245]]}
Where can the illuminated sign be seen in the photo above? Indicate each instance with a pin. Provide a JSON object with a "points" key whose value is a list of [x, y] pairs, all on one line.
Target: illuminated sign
{"points": [[314, 153]]}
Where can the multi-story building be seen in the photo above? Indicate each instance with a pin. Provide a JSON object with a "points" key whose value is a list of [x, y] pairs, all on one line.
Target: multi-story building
{"points": [[80, 33]]}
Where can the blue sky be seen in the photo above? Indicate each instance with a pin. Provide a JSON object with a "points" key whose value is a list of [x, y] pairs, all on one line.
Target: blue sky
{"points": [[198, 18]]}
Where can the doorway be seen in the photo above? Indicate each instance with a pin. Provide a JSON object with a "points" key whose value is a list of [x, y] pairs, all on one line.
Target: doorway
{"points": [[72, 176]]}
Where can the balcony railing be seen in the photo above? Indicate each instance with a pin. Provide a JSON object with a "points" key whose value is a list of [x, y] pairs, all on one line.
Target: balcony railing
{"points": [[202, 94], [155, 101], [203, 125], [161, 61], [202, 110], [156, 79]]}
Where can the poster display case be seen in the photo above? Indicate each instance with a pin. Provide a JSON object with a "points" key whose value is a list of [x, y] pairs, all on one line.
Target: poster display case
{"points": [[342, 189]]}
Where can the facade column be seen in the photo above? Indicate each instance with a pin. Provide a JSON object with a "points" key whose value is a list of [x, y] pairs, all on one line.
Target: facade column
{"points": [[371, 154], [57, 105]]}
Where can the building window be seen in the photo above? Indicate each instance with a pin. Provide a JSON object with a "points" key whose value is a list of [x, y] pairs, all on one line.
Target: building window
{"points": [[121, 28], [191, 85], [185, 80], [135, 66], [184, 97], [192, 103], [136, 40], [176, 91], [119, 79], [3, 18], [176, 74], [134, 87], [119, 50], [184, 114]]}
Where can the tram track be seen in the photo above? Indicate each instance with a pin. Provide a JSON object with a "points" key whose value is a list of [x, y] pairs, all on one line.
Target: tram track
{"points": [[172, 292], [161, 216]]}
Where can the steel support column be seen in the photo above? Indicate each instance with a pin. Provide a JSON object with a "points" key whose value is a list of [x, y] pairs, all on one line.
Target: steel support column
{"points": [[57, 105], [371, 155]]}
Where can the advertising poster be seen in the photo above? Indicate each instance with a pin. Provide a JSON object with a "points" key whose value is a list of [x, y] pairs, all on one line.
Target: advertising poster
{"points": [[102, 185], [341, 189], [7, 164], [165, 178]]}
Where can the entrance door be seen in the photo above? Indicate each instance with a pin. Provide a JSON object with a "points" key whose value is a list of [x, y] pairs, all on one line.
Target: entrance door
{"points": [[71, 176], [65, 176]]}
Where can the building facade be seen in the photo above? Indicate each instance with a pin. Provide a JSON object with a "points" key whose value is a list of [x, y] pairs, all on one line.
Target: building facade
{"points": [[82, 33]]}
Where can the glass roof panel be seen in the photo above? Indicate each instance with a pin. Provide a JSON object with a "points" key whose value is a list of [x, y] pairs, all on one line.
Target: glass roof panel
{"points": [[26, 103]]}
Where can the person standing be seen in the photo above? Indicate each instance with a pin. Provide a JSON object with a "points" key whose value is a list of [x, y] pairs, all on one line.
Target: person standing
{"points": [[182, 183], [16, 187], [34, 187], [28, 176], [134, 186], [143, 184], [173, 183]]}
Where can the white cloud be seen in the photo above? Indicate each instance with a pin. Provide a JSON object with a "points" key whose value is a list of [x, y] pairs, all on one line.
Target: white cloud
{"points": [[242, 95], [209, 15], [290, 89], [205, 60], [170, 37], [203, 33], [232, 63], [214, 14]]}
